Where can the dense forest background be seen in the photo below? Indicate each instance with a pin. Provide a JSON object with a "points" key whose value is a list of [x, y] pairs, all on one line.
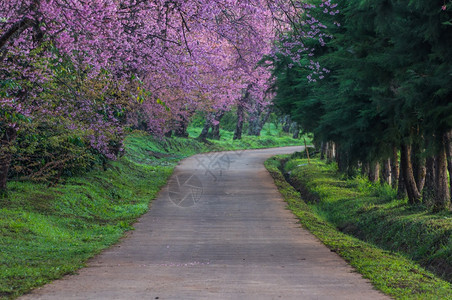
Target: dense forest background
{"points": [[381, 103]]}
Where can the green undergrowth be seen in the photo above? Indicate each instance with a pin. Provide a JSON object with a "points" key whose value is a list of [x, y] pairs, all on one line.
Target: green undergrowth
{"points": [[47, 232], [386, 241], [268, 138]]}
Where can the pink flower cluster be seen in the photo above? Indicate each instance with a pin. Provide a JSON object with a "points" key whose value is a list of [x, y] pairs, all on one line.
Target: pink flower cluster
{"points": [[172, 57]]}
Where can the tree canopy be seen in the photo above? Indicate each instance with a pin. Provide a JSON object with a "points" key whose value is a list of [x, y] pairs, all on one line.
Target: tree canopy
{"points": [[389, 87]]}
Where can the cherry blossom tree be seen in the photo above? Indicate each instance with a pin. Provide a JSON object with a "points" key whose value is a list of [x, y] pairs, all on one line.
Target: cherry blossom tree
{"points": [[159, 62]]}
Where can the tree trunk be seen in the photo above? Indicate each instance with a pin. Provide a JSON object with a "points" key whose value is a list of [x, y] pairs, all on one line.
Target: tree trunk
{"points": [[374, 172], [429, 193], [449, 158], [386, 172], [296, 132], [323, 150], [241, 113], [330, 152], [169, 134], [365, 167], [181, 127], [414, 196], [216, 128], [442, 199], [418, 164], [254, 122], [257, 122], [264, 120], [342, 160], [420, 174], [205, 130], [216, 132], [7, 140], [239, 127], [15, 30], [287, 124], [401, 187], [395, 167]]}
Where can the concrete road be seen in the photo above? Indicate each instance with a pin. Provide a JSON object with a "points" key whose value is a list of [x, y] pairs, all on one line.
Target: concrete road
{"points": [[219, 230]]}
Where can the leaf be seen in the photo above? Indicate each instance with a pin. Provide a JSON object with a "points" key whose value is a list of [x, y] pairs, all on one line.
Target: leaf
{"points": [[163, 104]]}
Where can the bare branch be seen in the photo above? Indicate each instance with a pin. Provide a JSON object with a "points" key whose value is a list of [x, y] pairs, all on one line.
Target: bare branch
{"points": [[16, 30]]}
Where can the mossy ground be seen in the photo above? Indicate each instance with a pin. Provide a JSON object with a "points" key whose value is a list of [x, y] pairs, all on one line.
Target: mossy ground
{"points": [[46, 232], [386, 240]]}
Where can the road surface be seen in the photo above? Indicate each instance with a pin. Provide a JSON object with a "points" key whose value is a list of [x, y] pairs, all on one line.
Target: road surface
{"points": [[219, 230]]}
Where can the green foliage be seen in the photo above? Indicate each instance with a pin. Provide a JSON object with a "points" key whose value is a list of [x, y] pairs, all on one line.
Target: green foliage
{"points": [[46, 232], [270, 137], [198, 119], [229, 121], [391, 272], [47, 150], [372, 212], [66, 127], [390, 79]]}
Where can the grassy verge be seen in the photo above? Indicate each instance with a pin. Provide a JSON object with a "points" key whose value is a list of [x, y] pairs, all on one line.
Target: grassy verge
{"points": [[46, 233], [351, 205]]}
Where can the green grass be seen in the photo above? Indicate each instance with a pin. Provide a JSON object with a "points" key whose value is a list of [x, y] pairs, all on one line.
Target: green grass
{"points": [[270, 137], [47, 232], [384, 239]]}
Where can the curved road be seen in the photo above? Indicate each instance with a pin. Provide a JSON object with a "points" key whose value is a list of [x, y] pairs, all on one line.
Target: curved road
{"points": [[219, 230]]}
